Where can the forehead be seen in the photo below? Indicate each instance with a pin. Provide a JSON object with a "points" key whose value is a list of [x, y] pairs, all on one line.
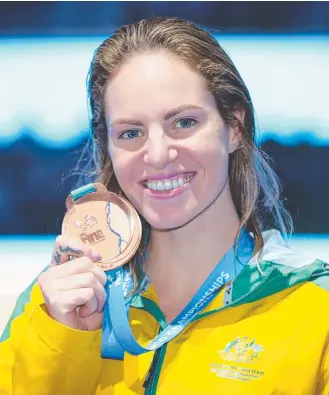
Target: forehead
{"points": [[154, 82]]}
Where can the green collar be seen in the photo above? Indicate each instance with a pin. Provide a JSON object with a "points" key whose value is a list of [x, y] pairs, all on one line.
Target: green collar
{"points": [[253, 283], [266, 278]]}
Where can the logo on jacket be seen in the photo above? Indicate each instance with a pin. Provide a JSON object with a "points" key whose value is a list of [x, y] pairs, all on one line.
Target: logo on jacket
{"points": [[241, 350]]}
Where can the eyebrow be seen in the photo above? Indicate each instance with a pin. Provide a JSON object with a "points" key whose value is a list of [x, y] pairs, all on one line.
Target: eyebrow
{"points": [[168, 115], [180, 109]]}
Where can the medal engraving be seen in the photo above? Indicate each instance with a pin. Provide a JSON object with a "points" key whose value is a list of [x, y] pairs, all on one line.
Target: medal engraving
{"points": [[106, 222]]}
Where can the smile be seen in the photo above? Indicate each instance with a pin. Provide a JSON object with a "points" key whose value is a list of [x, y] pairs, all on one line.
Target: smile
{"points": [[168, 184]]}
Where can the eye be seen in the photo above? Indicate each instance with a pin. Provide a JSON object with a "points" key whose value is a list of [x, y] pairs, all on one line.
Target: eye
{"points": [[130, 134], [185, 123]]}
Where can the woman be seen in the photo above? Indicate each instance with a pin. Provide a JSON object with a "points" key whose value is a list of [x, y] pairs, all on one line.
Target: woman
{"points": [[173, 129]]}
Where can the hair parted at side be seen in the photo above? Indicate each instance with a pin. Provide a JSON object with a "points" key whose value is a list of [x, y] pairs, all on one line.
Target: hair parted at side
{"points": [[254, 186]]}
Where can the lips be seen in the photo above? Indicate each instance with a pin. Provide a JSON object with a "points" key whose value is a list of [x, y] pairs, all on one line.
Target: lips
{"points": [[167, 176], [167, 184]]}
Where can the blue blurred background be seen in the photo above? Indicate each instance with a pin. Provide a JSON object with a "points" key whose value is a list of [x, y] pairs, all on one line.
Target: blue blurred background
{"points": [[280, 48]]}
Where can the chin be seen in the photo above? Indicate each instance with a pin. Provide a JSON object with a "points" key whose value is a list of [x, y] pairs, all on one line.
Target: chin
{"points": [[168, 222]]}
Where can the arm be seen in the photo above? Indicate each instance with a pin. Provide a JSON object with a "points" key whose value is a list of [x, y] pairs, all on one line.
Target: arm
{"points": [[46, 356]]}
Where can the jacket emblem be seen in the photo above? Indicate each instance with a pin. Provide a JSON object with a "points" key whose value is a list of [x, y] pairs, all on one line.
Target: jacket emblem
{"points": [[240, 350]]}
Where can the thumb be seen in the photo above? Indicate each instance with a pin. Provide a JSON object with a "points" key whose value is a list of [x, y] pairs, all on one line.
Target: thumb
{"points": [[88, 309]]}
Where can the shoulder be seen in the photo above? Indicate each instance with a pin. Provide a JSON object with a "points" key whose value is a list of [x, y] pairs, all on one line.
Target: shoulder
{"points": [[291, 267]]}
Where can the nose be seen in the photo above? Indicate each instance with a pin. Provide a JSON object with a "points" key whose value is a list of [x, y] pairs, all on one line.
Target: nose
{"points": [[159, 152]]}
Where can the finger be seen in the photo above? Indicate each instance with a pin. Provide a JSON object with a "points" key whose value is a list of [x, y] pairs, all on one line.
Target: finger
{"points": [[84, 280], [70, 300], [88, 308], [77, 266], [67, 247]]}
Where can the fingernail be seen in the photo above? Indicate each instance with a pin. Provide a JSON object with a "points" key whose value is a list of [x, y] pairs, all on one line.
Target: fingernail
{"points": [[96, 256]]}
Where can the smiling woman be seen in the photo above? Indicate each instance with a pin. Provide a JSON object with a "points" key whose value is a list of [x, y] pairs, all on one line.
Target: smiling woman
{"points": [[180, 140], [213, 286]]}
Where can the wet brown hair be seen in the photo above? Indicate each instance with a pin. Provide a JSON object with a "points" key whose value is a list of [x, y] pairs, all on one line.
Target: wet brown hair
{"points": [[254, 186]]}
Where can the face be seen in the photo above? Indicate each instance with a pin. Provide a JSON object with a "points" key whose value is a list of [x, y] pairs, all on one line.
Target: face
{"points": [[167, 142]]}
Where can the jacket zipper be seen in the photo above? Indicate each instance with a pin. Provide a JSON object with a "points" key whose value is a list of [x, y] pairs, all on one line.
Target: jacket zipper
{"points": [[153, 375]]}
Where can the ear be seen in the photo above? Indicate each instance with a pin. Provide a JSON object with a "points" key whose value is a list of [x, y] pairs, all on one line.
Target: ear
{"points": [[235, 132]]}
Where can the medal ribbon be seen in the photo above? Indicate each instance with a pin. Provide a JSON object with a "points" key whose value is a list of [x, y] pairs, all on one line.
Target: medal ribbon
{"points": [[117, 336]]}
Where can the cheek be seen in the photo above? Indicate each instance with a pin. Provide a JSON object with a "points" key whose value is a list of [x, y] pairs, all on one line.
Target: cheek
{"points": [[120, 166], [216, 169], [213, 156], [126, 171]]}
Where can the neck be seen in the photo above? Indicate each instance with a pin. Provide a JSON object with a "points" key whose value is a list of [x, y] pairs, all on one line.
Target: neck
{"points": [[181, 259]]}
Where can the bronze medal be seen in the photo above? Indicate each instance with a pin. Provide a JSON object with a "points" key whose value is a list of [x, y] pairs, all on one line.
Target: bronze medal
{"points": [[106, 222]]}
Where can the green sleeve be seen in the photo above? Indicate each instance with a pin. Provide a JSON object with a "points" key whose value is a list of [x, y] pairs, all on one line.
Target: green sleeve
{"points": [[23, 298]]}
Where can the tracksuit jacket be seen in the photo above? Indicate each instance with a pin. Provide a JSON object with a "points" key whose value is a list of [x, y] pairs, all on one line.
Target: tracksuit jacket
{"points": [[267, 333]]}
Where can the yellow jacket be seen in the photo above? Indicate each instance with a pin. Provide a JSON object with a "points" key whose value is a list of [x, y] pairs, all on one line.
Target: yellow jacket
{"points": [[271, 338]]}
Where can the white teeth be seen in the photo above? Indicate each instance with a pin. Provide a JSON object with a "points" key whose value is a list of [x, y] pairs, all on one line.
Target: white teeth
{"points": [[160, 186], [167, 185]]}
